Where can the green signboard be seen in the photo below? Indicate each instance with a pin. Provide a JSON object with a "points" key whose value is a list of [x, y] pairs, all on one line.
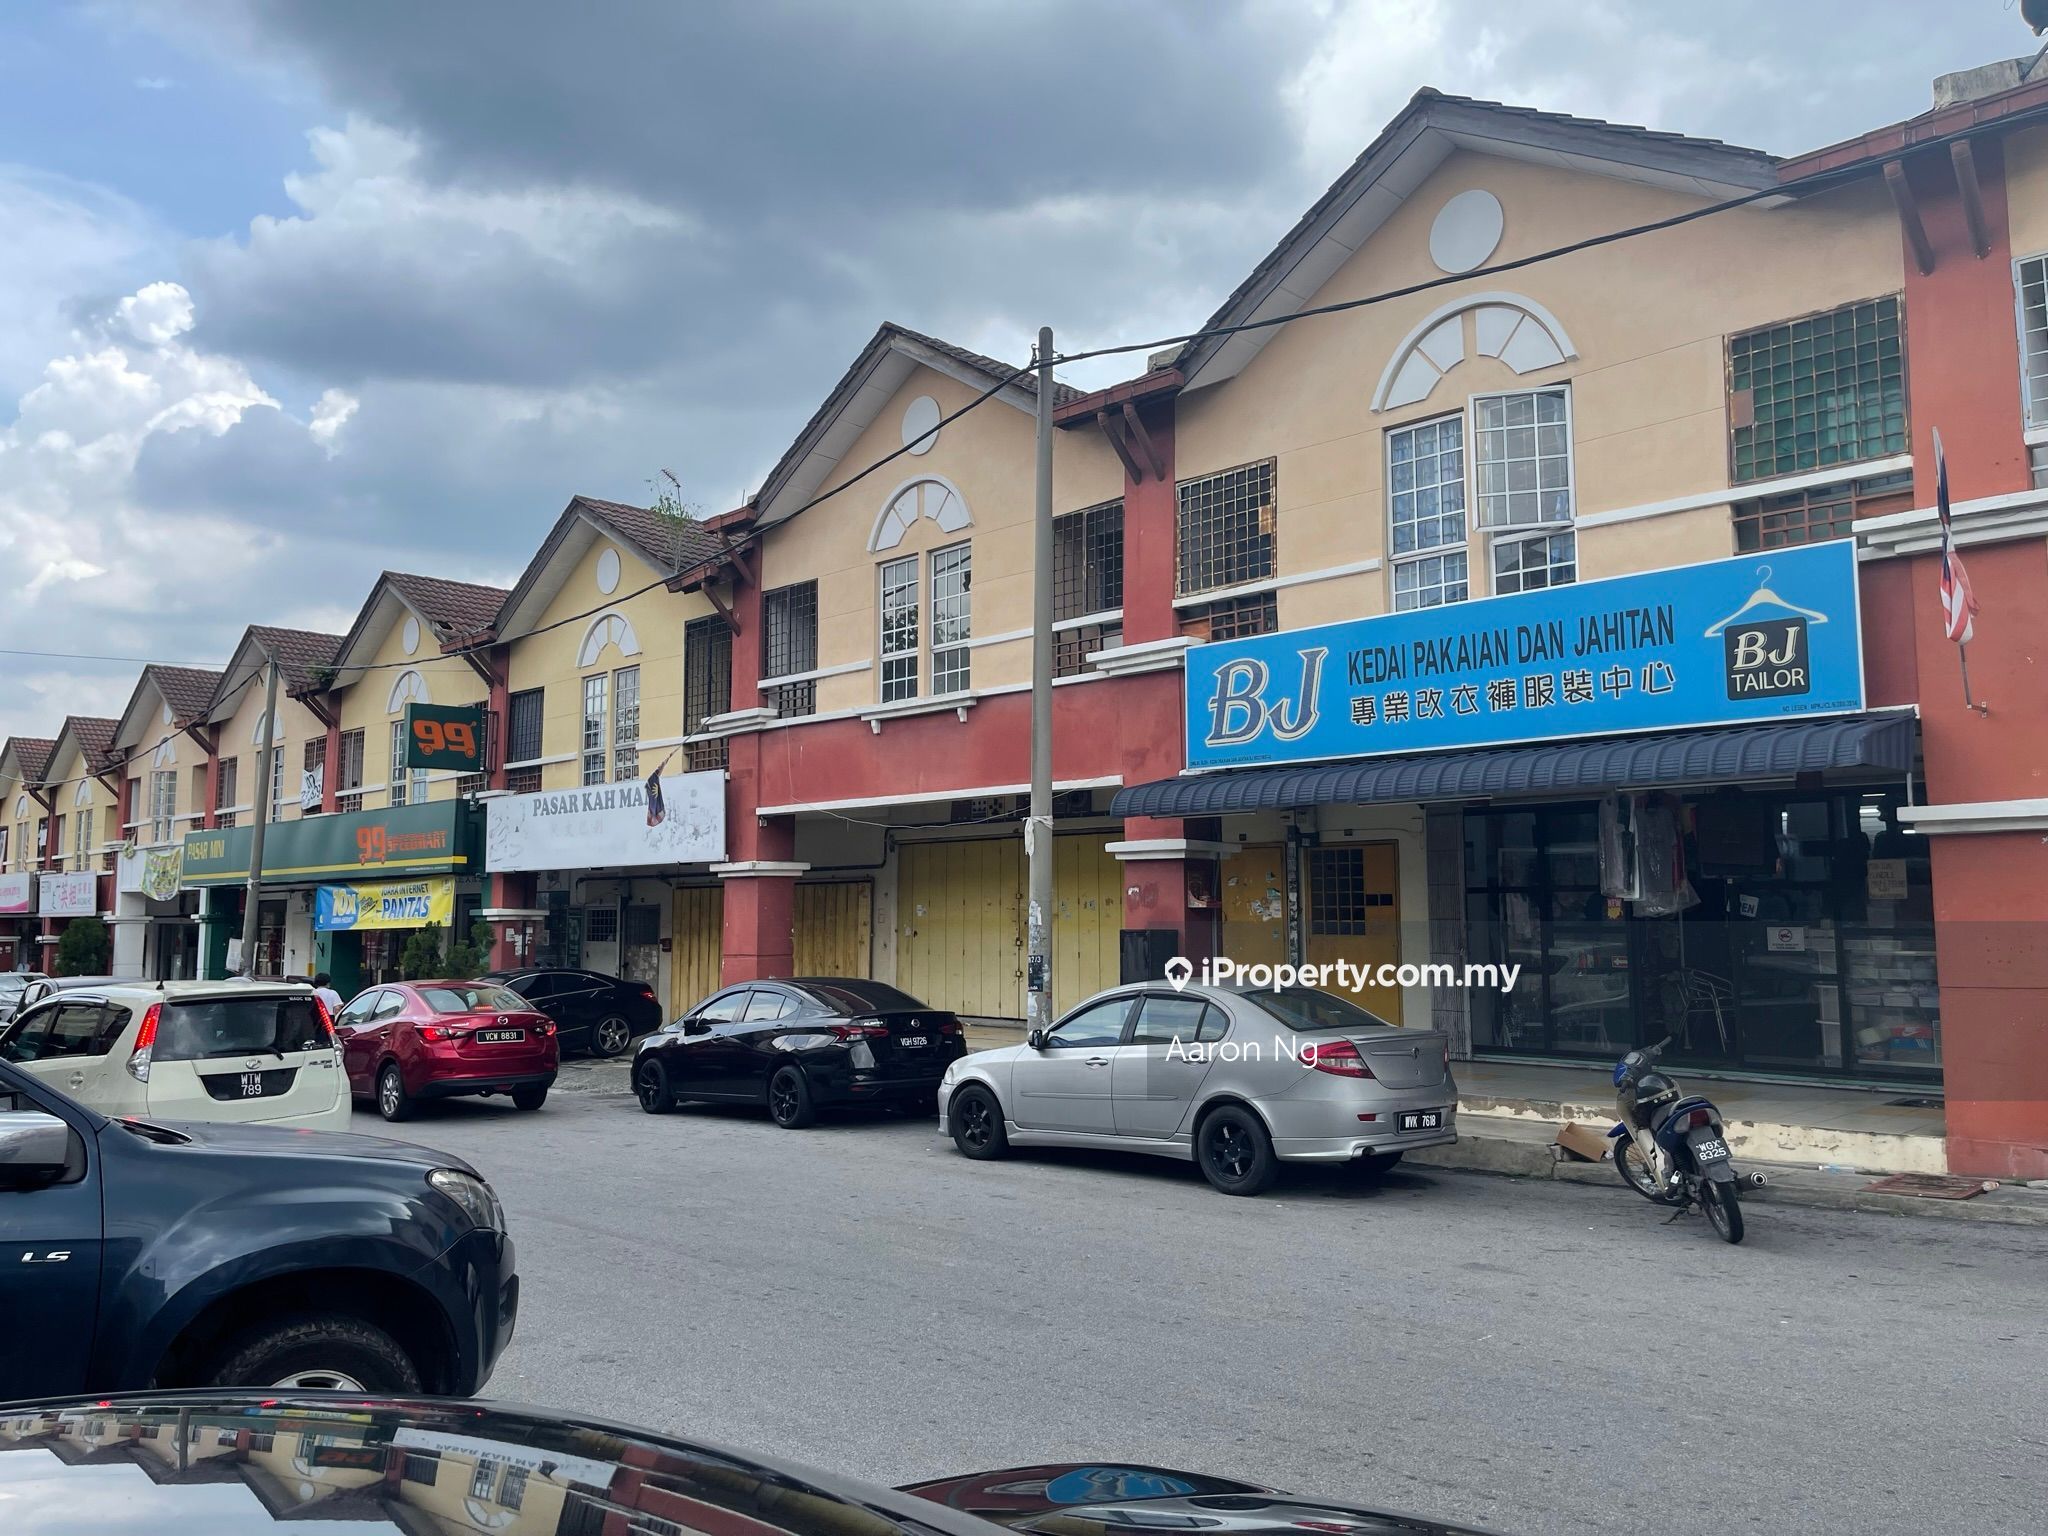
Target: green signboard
{"points": [[438, 838], [447, 736]]}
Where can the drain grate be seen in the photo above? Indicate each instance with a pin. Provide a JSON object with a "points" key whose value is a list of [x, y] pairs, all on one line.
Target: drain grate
{"points": [[1921, 1103], [1928, 1186]]}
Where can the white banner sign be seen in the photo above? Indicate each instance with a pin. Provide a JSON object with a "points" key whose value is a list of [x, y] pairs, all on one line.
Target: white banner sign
{"points": [[70, 895], [610, 825], [18, 892]]}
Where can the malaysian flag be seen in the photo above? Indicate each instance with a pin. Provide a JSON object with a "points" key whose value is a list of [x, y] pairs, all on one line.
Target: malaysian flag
{"points": [[1958, 602]]}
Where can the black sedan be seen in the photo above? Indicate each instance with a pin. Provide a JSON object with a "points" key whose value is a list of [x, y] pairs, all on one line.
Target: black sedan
{"points": [[796, 1045], [205, 1463], [592, 1012]]}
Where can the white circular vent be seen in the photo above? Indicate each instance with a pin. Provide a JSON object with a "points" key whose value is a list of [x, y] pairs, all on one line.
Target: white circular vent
{"points": [[410, 638], [921, 417], [1467, 231], [608, 572]]}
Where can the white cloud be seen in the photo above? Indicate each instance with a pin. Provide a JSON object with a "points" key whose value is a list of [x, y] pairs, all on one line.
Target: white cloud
{"points": [[157, 314], [330, 414]]}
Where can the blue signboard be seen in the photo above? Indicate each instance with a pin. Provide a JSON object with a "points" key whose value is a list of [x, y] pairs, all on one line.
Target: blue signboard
{"points": [[1760, 637]]}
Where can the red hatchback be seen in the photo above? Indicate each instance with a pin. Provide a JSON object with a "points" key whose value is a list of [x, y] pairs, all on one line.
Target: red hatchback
{"points": [[407, 1041]]}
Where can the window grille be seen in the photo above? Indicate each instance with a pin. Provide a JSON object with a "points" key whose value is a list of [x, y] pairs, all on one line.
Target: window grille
{"points": [[1225, 529], [707, 687], [625, 725], [789, 641], [1819, 514], [1828, 389], [1528, 565], [1524, 458]]}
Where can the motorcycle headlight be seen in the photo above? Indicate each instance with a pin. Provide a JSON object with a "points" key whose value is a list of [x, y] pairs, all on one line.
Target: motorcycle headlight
{"points": [[478, 1200]]}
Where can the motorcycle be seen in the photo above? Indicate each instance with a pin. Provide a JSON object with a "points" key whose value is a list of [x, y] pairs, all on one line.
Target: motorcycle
{"points": [[1690, 1133]]}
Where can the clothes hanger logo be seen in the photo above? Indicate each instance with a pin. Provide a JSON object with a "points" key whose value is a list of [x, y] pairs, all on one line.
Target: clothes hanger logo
{"points": [[1764, 643]]}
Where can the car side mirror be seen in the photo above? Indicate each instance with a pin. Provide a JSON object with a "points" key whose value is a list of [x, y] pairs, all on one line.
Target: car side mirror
{"points": [[696, 1027], [32, 1142], [1036, 1039]]}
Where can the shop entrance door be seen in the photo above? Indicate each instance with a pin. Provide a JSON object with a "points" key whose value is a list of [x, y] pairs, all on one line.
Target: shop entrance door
{"points": [[642, 944], [1354, 914]]}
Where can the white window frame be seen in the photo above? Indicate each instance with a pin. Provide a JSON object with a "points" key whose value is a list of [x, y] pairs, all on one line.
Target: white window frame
{"points": [[1445, 554], [408, 786], [1502, 543], [82, 819], [913, 653], [1397, 559], [625, 746], [593, 741], [1480, 540], [163, 804], [2035, 411], [1474, 433], [958, 656]]}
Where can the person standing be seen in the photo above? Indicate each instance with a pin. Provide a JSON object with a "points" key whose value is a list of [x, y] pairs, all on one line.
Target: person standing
{"points": [[323, 988]]}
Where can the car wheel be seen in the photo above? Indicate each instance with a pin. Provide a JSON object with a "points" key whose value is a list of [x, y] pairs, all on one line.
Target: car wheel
{"points": [[650, 1087], [393, 1102], [1374, 1164], [789, 1100], [529, 1098], [1235, 1153], [325, 1352], [977, 1122], [611, 1036]]}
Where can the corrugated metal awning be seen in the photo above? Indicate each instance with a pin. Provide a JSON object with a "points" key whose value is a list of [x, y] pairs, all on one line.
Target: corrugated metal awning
{"points": [[1728, 755]]}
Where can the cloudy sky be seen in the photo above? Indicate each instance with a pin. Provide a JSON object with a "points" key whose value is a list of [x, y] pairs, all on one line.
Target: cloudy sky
{"points": [[291, 293]]}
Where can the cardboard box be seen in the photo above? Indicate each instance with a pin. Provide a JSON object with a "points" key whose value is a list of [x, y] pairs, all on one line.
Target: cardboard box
{"points": [[1583, 1143]]}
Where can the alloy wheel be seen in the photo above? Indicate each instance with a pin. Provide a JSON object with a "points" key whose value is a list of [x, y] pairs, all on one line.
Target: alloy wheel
{"points": [[975, 1122], [611, 1037], [1230, 1149], [782, 1098], [648, 1085], [388, 1089]]}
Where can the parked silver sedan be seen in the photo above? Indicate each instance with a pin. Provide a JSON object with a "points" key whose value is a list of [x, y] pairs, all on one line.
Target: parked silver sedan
{"points": [[1237, 1080]]}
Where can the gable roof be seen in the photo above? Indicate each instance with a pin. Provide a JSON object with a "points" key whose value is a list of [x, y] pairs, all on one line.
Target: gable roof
{"points": [[857, 399], [95, 737], [1397, 163], [454, 613], [186, 691], [657, 541], [304, 659], [30, 756]]}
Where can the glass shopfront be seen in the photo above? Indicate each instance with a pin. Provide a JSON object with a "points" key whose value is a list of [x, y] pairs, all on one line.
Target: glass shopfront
{"points": [[1794, 934]]}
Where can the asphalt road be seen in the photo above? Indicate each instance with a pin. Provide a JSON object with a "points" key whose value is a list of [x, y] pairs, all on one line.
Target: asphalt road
{"points": [[1532, 1357]]}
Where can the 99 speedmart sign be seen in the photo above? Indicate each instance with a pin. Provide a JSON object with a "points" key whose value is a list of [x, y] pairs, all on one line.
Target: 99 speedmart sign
{"points": [[445, 736]]}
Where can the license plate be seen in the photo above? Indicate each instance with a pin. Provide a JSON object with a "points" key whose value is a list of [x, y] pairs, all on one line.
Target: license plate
{"points": [[493, 1036], [911, 1042], [252, 1085], [1711, 1151], [1423, 1120]]}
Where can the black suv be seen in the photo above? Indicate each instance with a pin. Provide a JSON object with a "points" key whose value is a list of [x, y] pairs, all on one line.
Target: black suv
{"points": [[202, 1255]]}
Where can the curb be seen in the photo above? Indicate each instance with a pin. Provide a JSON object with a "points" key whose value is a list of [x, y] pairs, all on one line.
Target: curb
{"points": [[1534, 1157]]}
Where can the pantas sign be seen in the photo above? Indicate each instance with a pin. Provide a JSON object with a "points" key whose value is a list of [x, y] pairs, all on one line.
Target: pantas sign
{"points": [[675, 820], [1757, 638], [387, 904]]}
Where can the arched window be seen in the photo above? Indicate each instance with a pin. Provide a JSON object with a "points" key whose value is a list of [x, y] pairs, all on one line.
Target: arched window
{"points": [[609, 628], [1518, 331], [407, 688], [931, 496]]}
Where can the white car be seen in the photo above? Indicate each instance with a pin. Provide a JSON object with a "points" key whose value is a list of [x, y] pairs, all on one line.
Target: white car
{"points": [[247, 1053]]}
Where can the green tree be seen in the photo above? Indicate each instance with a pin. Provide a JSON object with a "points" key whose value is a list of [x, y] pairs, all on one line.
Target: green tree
{"points": [[474, 957], [421, 959], [82, 948]]}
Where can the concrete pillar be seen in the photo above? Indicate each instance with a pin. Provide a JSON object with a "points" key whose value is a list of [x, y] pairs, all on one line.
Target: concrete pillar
{"points": [[513, 939], [1150, 518], [759, 936]]}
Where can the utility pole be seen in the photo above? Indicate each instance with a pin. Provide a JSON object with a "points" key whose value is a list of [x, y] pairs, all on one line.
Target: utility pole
{"points": [[251, 903], [1038, 829]]}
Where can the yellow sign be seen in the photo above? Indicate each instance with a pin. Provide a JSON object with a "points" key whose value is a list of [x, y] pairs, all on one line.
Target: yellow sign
{"points": [[385, 904]]}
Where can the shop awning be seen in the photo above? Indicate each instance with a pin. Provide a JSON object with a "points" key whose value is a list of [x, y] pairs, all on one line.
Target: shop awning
{"points": [[1730, 755]]}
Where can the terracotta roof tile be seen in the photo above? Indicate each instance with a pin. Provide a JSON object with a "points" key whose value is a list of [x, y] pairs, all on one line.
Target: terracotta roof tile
{"points": [[458, 610], [666, 545], [188, 690], [300, 653], [34, 752], [95, 740]]}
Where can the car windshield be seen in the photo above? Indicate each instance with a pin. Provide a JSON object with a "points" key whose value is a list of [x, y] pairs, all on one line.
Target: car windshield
{"points": [[477, 997], [12, 985], [205, 1028], [1304, 1008]]}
